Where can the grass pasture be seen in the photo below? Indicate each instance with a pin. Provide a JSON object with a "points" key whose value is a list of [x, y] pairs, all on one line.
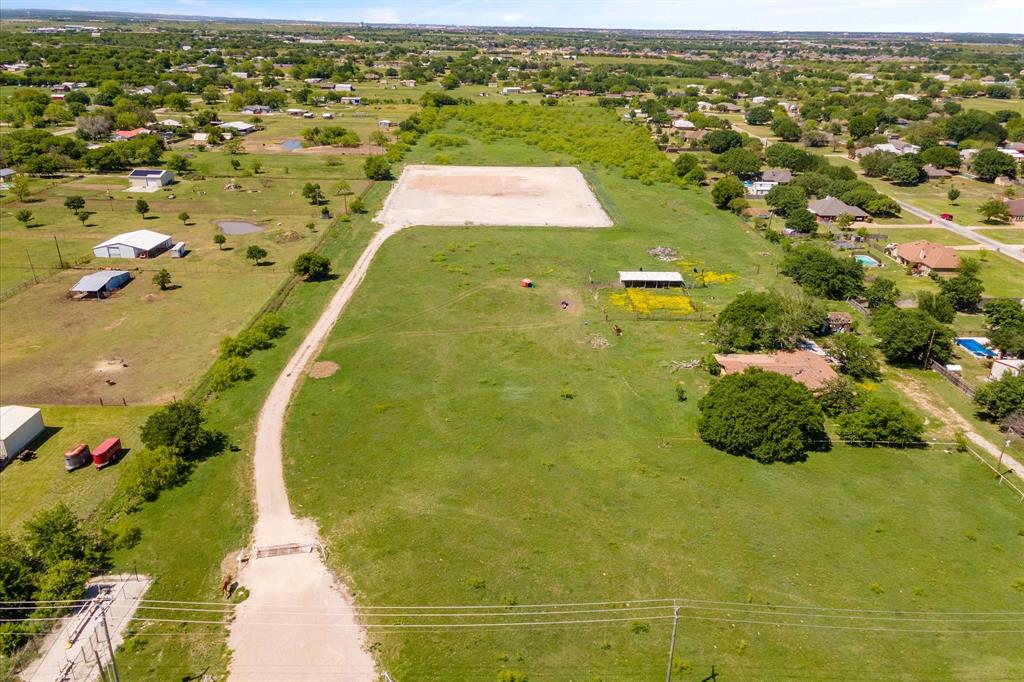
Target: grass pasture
{"points": [[1007, 235], [480, 447]]}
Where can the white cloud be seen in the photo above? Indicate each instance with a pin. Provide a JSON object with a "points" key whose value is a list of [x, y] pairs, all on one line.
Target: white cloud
{"points": [[515, 18], [381, 15]]}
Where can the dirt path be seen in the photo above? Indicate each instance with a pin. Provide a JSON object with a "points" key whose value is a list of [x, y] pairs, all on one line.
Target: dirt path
{"points": [[955, 422], [322, 633]]}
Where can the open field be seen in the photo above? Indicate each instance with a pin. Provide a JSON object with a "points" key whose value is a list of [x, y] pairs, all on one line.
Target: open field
{"points": [[457, 195], [936, 235], [1007, 235], [530, 456], [166, 338], [990, 105], [27, 487]]}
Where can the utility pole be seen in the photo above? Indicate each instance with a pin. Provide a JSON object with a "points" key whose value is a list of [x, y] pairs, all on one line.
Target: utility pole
{"points": [[32, 267], [928, 354], [999, 465], [672, 644], [110, 646], [59, 257]]}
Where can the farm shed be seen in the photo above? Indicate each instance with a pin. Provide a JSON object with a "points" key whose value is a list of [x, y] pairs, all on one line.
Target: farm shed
{"points": [[102, 282], [147, 178], [649, 280], [137, 244], [19, 426], [240, 127]]}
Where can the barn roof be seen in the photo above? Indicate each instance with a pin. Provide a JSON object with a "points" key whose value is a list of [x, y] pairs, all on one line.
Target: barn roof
{"points": [[97, 281], [643, 276], [147, 173], [139, 239], [12, 417]]}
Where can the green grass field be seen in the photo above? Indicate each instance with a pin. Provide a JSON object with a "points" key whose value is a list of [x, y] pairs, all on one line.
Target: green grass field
{"points": [[1007, 235], [480, 446], [936, 235]]}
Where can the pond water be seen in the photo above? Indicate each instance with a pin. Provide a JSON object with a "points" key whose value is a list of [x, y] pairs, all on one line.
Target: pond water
{"points": [[291, 145], [239, 227]]}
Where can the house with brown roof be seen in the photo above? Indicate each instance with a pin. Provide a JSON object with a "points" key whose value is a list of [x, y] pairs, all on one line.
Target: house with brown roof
{"points": [[830, 208], [1016, 209], [810, 369], [924, 256], [933, 173], [779, 175], [840, 322]]}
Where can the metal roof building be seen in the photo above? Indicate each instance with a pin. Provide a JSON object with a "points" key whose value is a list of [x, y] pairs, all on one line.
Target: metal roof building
{"points": [[641, 279], [19, 426], [137, 244], [148, 178], [102, 282]]}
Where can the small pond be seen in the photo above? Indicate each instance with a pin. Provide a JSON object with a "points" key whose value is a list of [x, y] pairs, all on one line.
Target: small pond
{"points": [[239, 227], [291, 145]]}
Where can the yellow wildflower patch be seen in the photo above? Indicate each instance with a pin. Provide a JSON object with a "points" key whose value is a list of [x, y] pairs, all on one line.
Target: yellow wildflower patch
{"points": [[648, 301], [716, 277]]}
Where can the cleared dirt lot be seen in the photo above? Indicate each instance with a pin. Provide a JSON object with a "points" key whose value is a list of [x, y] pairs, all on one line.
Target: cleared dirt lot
{"points": [[492, 195]]}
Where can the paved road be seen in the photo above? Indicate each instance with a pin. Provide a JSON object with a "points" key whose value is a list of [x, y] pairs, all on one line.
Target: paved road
{"points": [[298, 623], [1013, 252]]}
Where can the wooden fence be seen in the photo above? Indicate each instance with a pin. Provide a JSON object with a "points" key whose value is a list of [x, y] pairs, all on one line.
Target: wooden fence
{"points": [[952, 378]]}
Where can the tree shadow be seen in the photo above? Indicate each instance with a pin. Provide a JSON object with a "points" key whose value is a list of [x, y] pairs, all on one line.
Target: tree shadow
{"points": [[172, 287], [217, 444], [265, 263]]}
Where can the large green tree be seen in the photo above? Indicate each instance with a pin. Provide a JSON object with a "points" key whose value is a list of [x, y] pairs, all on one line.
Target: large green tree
{"points": [[910, 337], [822, 274], [880, 421], [997, 399], [726, 189], [765, 416], [180, 426]]}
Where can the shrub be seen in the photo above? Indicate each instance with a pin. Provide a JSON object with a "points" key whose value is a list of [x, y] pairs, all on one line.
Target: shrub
{"points": [[272, 325], [997, 399], [147, 472], [880, 421], [856, 357], [228, 371], [768, 417], [180, 426], [726, 189], [357, 206], [838, 396], [312, 266], [377, 168]]}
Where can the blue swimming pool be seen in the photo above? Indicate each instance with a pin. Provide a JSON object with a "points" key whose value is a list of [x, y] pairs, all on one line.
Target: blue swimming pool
{"points": [[975, 348], [867, 261], [291, 145]]}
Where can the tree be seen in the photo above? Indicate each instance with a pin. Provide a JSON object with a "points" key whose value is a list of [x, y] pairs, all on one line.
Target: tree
{"points": [[74, 203], [311, 266], [726, 189], [856, 357], [82, 216], [219, 239], [343, 189], [990, 163], [786, 128], [953, 194], [843, 221], [768, 417], [937, 305], [838, 396], [179, 426], [759, 115], [739, 161], [141, 207], [785, 155], [1004, 318], [20, 187], [377, 168], [910, 337], [184, 217], [378, 138], [765, 321], [904, 171], [882, 292], [719, 141], [23, 216], [228, 371], [822, 274], [997, 399], [995, 210], [965, 290], [695, 177], [802, 221], [257, 166], [55, 534], [162, 279], [256, 254], [787, 199], [148, 472], [233, 146], [880, 421], [877, 164], [684, 163], [313, 192], [941, 157], [861, 126]]}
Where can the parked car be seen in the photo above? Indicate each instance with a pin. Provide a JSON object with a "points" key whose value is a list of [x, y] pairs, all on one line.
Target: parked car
{"points": [[946, 216], [77, 457], [106, 452]]}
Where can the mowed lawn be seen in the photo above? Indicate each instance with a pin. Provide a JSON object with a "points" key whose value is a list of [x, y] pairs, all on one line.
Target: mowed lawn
{"points": [[479, 446], [27, 487], [59, 350]]}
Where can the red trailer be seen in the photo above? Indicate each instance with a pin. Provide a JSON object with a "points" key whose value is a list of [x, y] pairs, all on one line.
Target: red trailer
{"points": [[76, 457], [105, 453]]}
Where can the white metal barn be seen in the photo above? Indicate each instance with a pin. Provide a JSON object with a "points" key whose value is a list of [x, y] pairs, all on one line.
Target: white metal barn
{"points": [[148, 178], [137, 244], [19, 426], [638, 279]]}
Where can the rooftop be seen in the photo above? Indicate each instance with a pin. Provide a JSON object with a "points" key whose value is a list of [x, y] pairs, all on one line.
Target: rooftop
{"points": [[811, 370], [96, 281], [140, 239], [643, 276]]}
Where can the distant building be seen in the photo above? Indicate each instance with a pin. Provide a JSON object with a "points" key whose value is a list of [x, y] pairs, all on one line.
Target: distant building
{"points": [[1014, 206], [840, 322], [240, 127], [639, 279], [149, 178], [934, 173], [923, 256], [129, 134], [1006, 367], [830, 208], [810, 369], [137, 244], [101, 283], [777, 175]]}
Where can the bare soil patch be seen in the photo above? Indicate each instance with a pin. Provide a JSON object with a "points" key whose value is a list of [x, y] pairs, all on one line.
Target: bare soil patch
{"points": [[323, 369], [471, 195]]}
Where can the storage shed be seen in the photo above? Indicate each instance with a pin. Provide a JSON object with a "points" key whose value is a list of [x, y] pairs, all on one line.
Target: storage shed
{"points": [[19, 426], [101, 283], [150, 178], [137, 244], [649, 280]]}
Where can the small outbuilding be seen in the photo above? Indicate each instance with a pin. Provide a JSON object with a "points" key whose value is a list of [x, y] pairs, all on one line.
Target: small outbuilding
{"points": [[19, 426], [240, 127], [101, 283], [840, 322], [150, 178], [137, 244], [640, 279]]}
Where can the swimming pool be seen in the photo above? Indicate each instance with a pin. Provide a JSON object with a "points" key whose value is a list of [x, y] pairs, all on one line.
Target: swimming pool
{"points": [[291, 145], [867, 261], [975, 348]]}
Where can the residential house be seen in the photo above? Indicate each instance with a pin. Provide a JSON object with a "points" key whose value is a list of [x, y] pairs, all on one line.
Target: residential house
{"points": [[1014, 206], [760, 188], [810, 369], [149, 178], [1006, 367], [934, 173], [777, 175], [830, 208], [683, 124], [129, 134], [239, 127], [840, 322], [924, 257]]}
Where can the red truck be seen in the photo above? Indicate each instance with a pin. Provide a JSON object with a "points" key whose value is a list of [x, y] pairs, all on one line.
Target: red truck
{"points": [[106, 452]]}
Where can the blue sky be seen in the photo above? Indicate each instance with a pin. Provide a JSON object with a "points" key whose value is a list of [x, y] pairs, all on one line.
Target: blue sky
{"points": [[799, 15]]}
